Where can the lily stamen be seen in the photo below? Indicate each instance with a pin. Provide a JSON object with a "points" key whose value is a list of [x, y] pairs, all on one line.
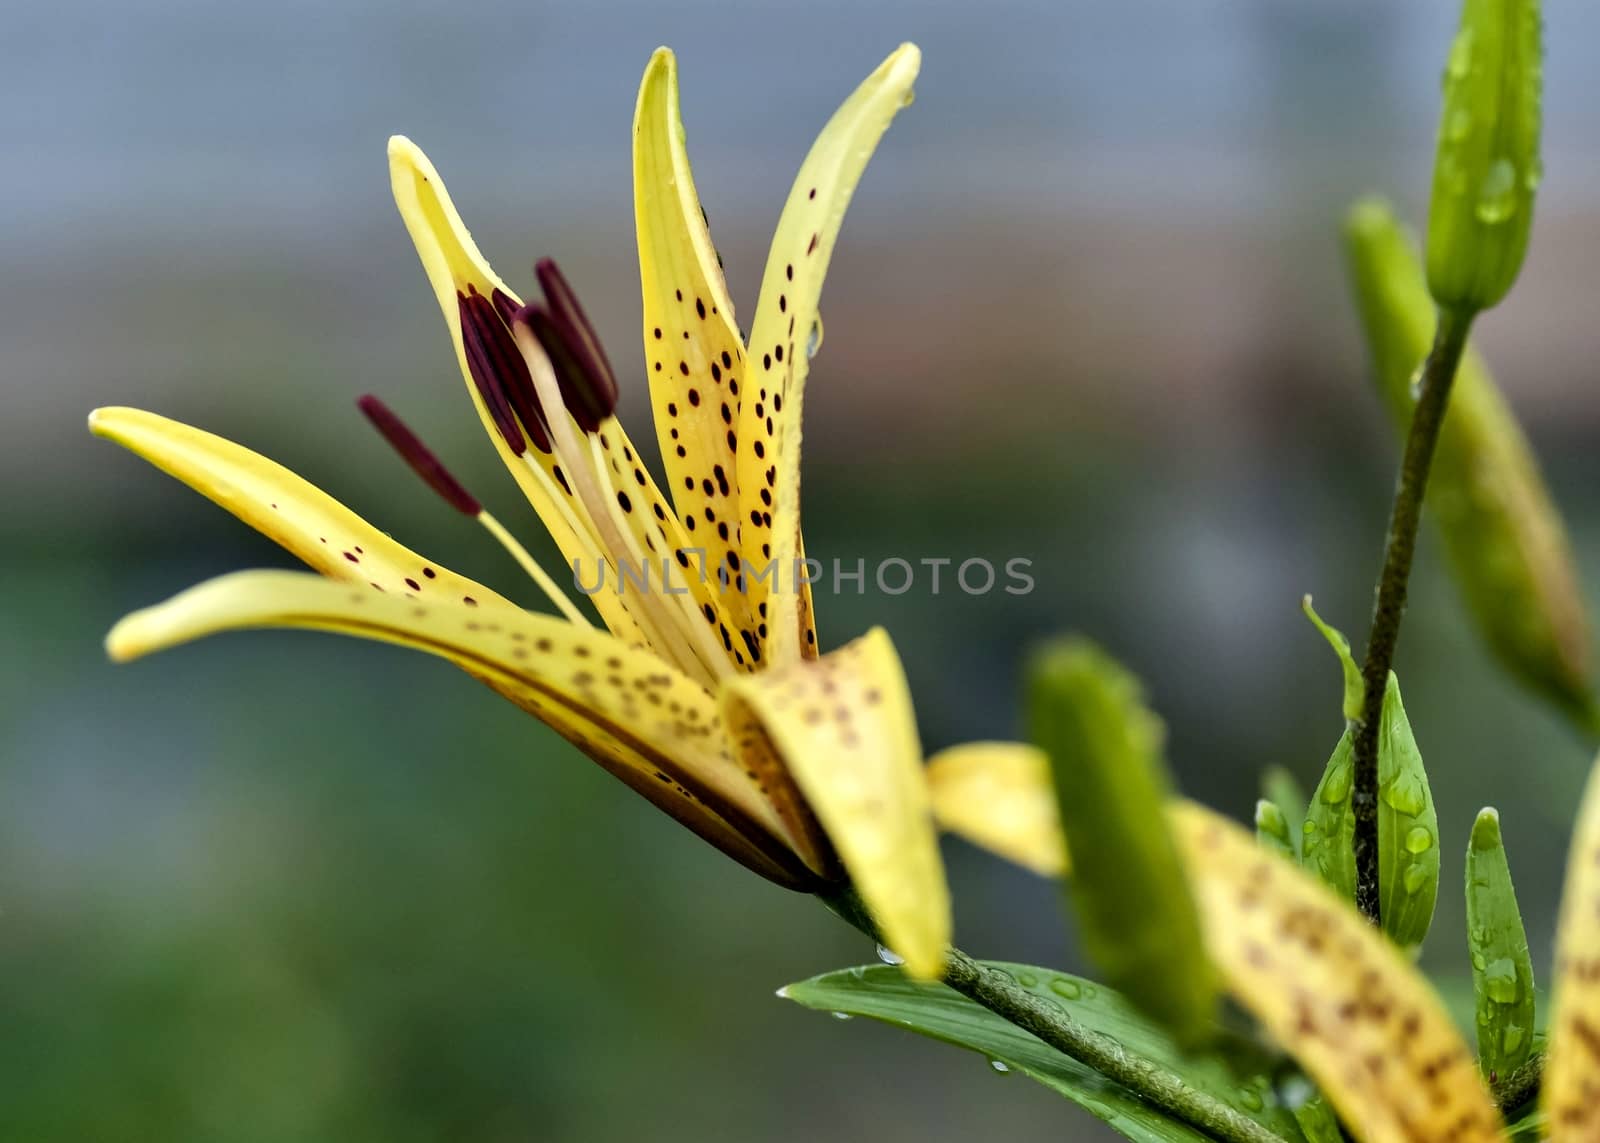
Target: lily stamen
{"points": [[615, 537], [425, 463]]}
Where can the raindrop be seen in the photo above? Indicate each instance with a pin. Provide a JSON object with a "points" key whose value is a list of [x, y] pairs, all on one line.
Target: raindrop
{"points": [[1497, 197], [1419, 840], [1416, 877], [841, 1015], [1337, 786], [1066, 988], [1250, 1099], [1511, 1039], [1500, 982], [1027, 979], [1000, 1066], [1459, 126], [888, 956], [814, 338]]}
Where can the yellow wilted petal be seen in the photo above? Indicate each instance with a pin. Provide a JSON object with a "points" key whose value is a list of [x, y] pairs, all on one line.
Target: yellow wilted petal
{"points": [[643, 721], [695, 357], [845, 730], [784, 335], [1333, 991], [998, 795], [1571, 1095], [286, 508]]}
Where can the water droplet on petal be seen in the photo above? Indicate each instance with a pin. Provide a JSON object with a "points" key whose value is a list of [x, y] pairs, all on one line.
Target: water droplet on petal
{"points": [[814, 338]]}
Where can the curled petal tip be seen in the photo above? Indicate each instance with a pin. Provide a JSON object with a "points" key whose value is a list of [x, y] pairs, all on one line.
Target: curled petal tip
{"points": [[124, 642]]}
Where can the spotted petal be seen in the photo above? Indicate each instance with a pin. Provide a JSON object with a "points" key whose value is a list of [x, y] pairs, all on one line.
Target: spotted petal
{"points": [[990, 794], [649, 725], [1332, 990], [1571, 1095], [783, 334], [286, 508], [695, 355], [844, 727]]}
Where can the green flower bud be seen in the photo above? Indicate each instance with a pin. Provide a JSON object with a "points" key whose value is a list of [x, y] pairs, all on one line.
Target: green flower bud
{"points": [[1487, 168], [1502, 970], [1506, 543], [1272, 829], [1408, 828], [1136, 918]]}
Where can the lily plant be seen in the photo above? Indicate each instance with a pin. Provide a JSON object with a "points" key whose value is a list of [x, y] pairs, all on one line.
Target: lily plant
{"points": [[701, 686]]}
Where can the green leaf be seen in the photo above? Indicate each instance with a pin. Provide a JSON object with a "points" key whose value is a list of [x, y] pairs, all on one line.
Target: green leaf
{"points": [[1272, 829], [1354, 688], [1408, 828], [1135, 916], [1330, 826], [1502, 970], [1234, 1071], [1283, 790]]}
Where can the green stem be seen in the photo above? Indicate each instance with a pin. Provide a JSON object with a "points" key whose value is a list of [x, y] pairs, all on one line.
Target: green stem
{"points": [[1437, 375], [1001, 994]]}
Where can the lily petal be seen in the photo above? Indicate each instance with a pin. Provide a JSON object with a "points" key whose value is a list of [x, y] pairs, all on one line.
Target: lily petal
{"points": [[845, 730], [1333, 991], [786, 330], [1571, 1086], [645, 723], [455, 269], [989, 793], [287, 508], [695, 354]]}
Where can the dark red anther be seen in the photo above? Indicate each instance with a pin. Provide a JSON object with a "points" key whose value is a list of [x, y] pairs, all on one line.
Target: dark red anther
{"points": [[590, 367], [421, 459], [500, 373]]}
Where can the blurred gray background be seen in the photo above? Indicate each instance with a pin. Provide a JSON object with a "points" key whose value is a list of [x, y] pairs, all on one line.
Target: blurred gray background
{"points": [[1087, 309]]}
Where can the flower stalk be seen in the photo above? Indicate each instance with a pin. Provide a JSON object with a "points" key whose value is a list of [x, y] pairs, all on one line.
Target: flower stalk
{"points": [[1435, 379], [996, 991]]}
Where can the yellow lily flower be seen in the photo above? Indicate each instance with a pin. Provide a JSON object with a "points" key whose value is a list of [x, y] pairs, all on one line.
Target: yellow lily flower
{"points": [[1339, 996], [704, 691]]}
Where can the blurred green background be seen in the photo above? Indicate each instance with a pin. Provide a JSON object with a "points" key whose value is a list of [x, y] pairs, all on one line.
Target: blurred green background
{"points": [[1087, 310]]}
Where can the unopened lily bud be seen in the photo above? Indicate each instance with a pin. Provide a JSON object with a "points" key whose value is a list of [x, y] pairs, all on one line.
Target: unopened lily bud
{"points": [[1506, 543], [1502, 970], [1487, 168], [1136, 917]]}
